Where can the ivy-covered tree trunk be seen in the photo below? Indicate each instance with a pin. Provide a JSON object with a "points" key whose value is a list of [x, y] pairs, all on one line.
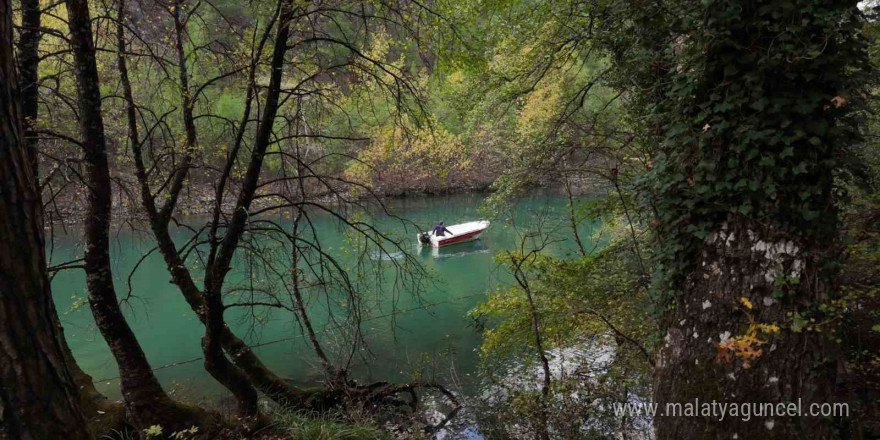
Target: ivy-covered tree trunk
{"points": [[759, 107], [38, 396]]}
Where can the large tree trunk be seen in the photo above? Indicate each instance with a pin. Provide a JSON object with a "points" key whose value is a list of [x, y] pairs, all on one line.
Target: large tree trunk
{"points": [[28, 86], [747, 221], [219, 258], [792, 367], [28, 62], [219, 366], [38, 398], [145, 400], [189, 124], [241, 354]]}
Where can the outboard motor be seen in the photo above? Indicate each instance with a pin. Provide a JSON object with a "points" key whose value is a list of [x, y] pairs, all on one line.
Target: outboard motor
{"points": [[424, 238]]}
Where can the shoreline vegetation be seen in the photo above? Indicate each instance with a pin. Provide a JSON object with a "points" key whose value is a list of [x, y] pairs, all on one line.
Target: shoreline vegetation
{"points": [[198, 200], [725, 152]]}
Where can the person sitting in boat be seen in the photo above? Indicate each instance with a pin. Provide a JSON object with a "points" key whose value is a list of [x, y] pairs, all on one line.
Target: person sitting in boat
{"points": [[440, 230]]}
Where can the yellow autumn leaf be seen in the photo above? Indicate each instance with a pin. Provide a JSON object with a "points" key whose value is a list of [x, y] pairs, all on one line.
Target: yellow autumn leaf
{"points": [[768, 328]]}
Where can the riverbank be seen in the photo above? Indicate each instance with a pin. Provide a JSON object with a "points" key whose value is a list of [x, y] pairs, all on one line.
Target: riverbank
{"points": [[200, 198]]}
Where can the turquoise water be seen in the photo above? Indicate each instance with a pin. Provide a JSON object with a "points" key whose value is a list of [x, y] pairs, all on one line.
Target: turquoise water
{"points": [[403, 334]]}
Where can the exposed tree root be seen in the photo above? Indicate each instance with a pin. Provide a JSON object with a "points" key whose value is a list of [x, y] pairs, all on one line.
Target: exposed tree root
{"points": [[379, 397]]}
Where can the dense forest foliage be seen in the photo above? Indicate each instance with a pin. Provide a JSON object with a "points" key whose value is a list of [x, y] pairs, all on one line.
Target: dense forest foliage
{"points": [[726, 149]]}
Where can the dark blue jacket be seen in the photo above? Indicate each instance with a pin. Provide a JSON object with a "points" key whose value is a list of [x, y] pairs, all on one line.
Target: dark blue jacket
{"points": [[439, 230]]}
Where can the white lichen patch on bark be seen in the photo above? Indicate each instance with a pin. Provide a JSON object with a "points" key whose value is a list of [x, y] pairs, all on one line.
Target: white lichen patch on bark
{"points": [[776, 255]]}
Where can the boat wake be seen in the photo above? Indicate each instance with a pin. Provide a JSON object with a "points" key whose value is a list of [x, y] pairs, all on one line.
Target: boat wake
{"points": [[475, 247], [385, 256]]}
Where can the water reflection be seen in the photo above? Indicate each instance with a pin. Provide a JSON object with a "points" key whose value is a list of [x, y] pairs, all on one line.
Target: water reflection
{"points": [[458, 250]]}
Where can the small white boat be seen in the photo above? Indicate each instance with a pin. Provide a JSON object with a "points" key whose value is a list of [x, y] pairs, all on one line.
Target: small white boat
{"points": [[459, 233]]}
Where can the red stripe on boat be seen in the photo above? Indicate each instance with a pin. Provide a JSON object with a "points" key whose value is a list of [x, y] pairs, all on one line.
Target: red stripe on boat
{"points": [[458, 238]]}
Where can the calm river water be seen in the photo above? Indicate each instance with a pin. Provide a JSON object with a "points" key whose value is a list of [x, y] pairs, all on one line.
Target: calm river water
{"points": [[432, 335]]}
